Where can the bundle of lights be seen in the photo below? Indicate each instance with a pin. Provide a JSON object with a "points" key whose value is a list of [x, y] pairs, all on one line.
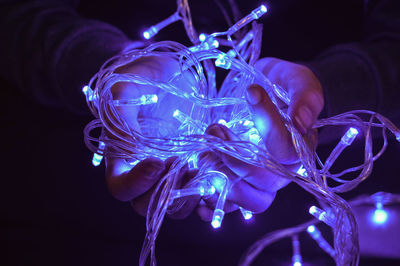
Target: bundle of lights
{"points": [[196, 103]]}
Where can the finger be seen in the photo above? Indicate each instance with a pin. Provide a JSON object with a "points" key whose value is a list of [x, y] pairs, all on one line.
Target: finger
{"points": [[306, 105], [270, 125], [250, 198], [126, 184], [221, 132], [205, 213], [240, 168], [242, 194], [304, 88], [141, 203], [261, 178], [183, 207]]}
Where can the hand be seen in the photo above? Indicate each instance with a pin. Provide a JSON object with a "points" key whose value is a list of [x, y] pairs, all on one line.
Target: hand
{"points": [[136, 184], [258, 186]]}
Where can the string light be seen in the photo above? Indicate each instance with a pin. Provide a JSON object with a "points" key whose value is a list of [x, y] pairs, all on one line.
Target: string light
{"points": [[297, 259], [180, 131], [247, 215], [97, 156], [153, 30], [322, 215], [380, 215], [313, 231]]}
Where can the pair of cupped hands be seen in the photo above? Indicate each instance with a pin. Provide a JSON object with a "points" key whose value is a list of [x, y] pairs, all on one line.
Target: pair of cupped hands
{"points": [[257, 186]]}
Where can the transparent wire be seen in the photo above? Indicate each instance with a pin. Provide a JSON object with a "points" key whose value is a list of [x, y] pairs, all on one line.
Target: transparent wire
{"points": [[166, 136]]}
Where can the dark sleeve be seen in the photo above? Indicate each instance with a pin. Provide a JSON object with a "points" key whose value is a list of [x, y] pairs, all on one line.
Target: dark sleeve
{"points": [[365, 75], [50, 52]]}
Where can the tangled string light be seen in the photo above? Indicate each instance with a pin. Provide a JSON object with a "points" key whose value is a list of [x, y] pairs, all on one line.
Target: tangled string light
{"points": [[181, 133]]}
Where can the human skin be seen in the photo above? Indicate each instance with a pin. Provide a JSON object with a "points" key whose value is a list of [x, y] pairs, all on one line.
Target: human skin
{"points": [[257, 188]]}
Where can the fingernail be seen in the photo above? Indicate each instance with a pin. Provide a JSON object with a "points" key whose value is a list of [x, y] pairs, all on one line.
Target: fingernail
{"points": [[216, 131], [303, 119], [253, 94]]}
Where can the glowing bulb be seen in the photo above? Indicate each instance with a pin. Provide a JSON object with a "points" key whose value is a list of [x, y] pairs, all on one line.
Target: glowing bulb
{"points": [[296, 258], [302, 171], [321, 215], [202, 37], [154, 98], [85, 89], [201, 190], [222, 122], [192, 162], [255, 14], [146, 35], [212, 190], [380, 216], [218, 183], [247, 215], [322, 243], [153, 30], [89, 93], [223, 61], [398, 137], [248, 123], [218, 216], [134, 163], [254, 135], [214, 44], [349, 137], [311, 229], [258, 12], [207, 44], [97, 158], [231, 53]]}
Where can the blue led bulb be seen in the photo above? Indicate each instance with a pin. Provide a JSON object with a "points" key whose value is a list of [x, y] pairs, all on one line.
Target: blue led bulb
{"points": [[315, 234], [322, 215], [218, 216], [349, 137], [223, 61], [247, 215], [258, 12], [149, 33], [153, 30], [255, 14], [254, 136], [296, 258], [380, 215], [202, 37], [97, 157], [89, 93]]}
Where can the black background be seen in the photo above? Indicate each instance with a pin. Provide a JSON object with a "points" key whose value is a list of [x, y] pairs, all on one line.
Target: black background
{"points": [[56, 209]]}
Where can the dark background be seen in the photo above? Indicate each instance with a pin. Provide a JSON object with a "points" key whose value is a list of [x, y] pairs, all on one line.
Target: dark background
{"points": [[56, 209]]}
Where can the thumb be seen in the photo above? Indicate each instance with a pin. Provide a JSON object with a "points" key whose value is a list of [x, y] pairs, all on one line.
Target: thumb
{"points": [[270, 125], [126, 184]]}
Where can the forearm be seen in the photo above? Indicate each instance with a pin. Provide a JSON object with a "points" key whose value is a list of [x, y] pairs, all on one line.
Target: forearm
{"points": [[50, 52]]}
